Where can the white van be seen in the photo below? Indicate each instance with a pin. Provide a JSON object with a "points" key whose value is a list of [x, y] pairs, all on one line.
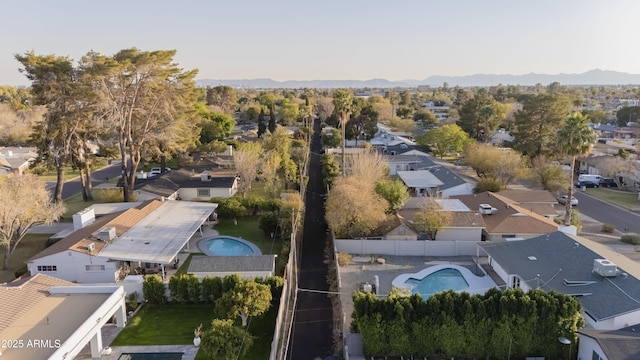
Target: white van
{"points": [[592, 178]]}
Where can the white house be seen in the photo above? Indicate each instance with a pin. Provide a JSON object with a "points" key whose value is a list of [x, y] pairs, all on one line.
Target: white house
{"points": [[44, 317], [465, 225], [188, 185], [146, 237], [15, 160]]}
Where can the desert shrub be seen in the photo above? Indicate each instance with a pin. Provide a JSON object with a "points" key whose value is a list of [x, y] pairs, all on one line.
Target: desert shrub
{"points": [[631, 238], [153, 289], [483, 185], [344, 258], [608, 228]]}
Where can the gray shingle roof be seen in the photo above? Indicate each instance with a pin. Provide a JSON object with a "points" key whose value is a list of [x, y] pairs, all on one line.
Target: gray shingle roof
{"points": [[623, 344], [237, 264], [559, 257]]}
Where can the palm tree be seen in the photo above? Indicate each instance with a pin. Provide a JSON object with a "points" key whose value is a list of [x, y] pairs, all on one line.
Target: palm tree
{"points": [[342, 103], [575, 138]]}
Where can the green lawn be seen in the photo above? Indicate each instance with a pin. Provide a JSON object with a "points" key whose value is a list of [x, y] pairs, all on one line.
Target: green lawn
{"points": [[174, 325], [627, 200], [30, 245], [248, 229], [164, 325]]}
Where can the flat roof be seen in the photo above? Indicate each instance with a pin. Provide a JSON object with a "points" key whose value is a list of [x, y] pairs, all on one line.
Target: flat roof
{"points": [[34, 314], [419, 179], [160, 235]]}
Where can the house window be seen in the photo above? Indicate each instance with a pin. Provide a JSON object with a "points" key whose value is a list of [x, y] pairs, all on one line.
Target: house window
{"points": [[515, 282], [506, 236], [595, 356], [94, 268], [47, 268], [204, 192]]}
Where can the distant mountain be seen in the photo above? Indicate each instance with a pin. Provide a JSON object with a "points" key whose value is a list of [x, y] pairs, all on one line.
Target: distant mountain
{"points": [[593, 77]]}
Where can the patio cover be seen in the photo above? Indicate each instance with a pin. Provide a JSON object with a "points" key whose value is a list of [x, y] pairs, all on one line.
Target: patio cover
{"points": [[160, 235]]}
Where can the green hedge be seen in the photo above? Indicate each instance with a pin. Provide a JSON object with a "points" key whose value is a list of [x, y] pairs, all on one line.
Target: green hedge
{"points": [[498, 325]]}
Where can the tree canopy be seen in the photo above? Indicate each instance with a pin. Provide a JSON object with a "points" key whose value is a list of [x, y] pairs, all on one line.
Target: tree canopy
{"points": [[445, 140]]}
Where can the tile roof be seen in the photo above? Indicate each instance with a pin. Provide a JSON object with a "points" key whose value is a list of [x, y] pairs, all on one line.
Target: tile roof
{"points": [[79, 240], [22, 296], [511, 218], [558, 256], [237, 264]]}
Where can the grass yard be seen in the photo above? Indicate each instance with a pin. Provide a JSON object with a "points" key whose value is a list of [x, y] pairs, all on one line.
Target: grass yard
{"points": [[248, 229], [627, 200], [164, 325], [30, 245]]}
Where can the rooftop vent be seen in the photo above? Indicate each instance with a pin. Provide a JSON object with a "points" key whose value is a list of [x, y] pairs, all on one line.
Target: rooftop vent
{"points": [[604, 267], [91, 247], [532, 258], [205, 177], [487, 209], [107, 234]]}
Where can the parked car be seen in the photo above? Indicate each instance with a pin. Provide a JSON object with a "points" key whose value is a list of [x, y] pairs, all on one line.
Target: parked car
{"points": [[606, 182], [562, 199], [156, 171], [587, 184]]}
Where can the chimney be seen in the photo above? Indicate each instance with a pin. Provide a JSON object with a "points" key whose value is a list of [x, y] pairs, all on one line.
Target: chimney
{"points": [[83, 218]]}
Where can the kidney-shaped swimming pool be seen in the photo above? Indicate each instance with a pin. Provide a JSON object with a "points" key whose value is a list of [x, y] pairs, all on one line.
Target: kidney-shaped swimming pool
{"points": [[441, 278], [228, 246]]}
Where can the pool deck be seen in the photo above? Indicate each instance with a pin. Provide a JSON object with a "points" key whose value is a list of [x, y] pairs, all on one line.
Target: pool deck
{"points": [[362, 269]]}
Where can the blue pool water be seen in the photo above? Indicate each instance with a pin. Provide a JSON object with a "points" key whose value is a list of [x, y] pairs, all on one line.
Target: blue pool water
{"points": [[441, 280], [228, 246]]}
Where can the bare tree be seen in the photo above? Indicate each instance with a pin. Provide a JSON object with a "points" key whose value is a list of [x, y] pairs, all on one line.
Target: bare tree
{"points": [[367, 166], [246, 159], [25, 204], [324, 107]]}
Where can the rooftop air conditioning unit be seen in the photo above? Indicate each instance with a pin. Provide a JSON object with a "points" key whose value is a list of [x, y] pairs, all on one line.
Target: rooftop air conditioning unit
{"points": [[107, 234], [604, 267], [205, 177], [92, 247]]}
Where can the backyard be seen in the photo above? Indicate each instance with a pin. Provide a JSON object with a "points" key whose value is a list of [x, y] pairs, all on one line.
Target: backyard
{"points": [[30, 245], [174, 325]]}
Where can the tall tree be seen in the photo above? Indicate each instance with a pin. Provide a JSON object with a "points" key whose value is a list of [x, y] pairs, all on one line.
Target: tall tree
{"points": [[548, 174], [364, 123], [324, 108], [247, 298], [262, 124], [54, 84], [575, 138], [246, 159], [536, 124], [25, 204], [272, 120], [144, 96], [481, 115], [394, 191], [342, 102], [445, 140], [431, 218], [490, 162], [224, 97]]}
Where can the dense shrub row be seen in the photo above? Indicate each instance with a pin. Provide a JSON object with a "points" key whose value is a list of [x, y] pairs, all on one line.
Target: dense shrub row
{"points": [[235, 207], [186, 288], [497, 325]]}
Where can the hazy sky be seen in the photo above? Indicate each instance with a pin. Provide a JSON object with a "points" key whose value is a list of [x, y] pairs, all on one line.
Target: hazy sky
{"points": [[334, 39]]}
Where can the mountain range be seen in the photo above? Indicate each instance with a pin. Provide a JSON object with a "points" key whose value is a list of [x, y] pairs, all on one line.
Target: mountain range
{"points": [[592, 77]]}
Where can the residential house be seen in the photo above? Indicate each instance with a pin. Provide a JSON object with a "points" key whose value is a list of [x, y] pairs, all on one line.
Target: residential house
{"points": [[15, 160], [248, 267], [147, 237], [439, 108], [465, 225], [436, 181], [606, 283], [541, 202], [189, 185], [510, 220], [44, 317], [623, 344], [499, 137]]}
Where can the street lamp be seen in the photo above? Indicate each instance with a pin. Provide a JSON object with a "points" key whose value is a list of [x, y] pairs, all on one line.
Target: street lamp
{"points": [[564, 341]]}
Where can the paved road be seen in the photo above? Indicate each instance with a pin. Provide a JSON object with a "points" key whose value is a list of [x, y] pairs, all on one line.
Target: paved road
{"points": [[312, 334], [607, 213], [72, 187]]}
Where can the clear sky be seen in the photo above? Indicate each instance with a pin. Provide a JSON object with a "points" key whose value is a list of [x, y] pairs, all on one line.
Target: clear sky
{"points": [[334, 39]]}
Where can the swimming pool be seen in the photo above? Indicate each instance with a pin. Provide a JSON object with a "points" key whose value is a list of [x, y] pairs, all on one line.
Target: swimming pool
{"points": [[228, 246], [439, 278]]}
